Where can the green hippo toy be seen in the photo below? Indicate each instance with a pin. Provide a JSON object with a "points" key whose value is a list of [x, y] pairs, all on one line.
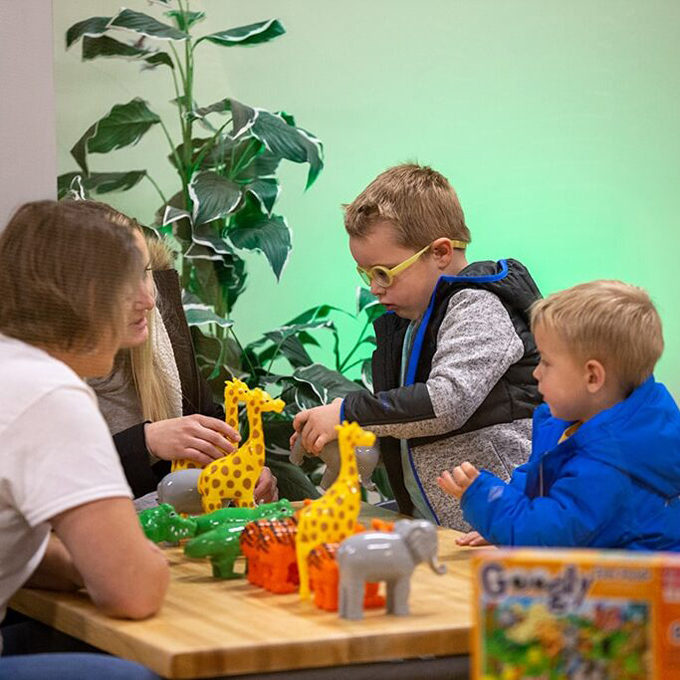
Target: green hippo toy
{"points": [[162, 523], [218, 533], [277, 510], [222, 545]]}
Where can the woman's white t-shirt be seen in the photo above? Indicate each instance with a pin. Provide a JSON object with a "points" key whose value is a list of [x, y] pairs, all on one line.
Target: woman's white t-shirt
{"points": [[56, 453]]}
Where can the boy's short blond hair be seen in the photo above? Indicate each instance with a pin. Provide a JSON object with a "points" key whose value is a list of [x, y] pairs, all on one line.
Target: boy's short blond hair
{"points": [[610, 321], [418, 201]]}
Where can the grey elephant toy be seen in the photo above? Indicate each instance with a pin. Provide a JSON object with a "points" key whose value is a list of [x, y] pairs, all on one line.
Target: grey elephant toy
{"points": [[367, 459], [373, 556], [180, 489]]}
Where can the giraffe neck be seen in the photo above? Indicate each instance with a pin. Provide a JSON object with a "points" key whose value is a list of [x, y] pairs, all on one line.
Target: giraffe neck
{"points": [[231, 411], [255, 430], [348, 465]]}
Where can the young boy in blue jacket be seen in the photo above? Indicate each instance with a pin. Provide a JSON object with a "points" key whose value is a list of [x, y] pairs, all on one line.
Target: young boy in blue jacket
{"points": [[604, 471], [454, 357]]}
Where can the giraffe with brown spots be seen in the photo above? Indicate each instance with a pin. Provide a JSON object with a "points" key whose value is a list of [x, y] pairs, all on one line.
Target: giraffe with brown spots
{"points": [[233, 477], [332, 517], [234, 394]]}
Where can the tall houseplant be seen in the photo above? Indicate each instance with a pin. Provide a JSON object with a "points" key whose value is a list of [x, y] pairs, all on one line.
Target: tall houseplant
{"points": [[226, 156]]}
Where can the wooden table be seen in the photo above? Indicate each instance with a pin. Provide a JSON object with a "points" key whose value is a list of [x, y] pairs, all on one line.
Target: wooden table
{"points": [[211, 627]]}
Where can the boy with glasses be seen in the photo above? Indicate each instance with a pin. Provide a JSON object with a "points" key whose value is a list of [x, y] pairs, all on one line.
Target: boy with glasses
{"points": [[452, 370]]}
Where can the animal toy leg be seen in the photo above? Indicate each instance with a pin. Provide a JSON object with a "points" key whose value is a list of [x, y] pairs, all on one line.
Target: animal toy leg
{"points": [[397, 596], [351, 597], [302, 554], [211, 500]]}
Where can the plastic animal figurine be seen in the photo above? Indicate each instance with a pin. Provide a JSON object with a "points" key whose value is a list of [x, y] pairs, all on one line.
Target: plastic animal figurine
{"points": [[222, 545], [269, 547], [324, 577], [332, 517], [233, 477], [234, 394], [162, 523], [367, 459], [385, 556], [277, 510], [180, 489]]}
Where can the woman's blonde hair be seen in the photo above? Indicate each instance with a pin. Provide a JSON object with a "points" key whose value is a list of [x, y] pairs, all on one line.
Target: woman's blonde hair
{"points": [[610, 321], [150, 385], [66, 272]]}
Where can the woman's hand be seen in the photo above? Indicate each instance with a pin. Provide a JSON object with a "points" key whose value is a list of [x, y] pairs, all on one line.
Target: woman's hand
{"points": [[266, 488], [196, 437]]}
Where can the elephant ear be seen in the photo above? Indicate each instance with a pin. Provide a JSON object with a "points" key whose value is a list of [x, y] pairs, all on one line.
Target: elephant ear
{"points": [[418, 543]]}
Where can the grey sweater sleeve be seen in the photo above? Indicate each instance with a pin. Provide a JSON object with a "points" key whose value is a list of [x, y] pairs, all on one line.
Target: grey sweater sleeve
{"points": [[476, 344]]}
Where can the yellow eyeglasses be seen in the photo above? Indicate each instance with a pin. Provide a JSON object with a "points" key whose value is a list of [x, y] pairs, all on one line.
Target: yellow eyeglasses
{"points": [[384, 277]]}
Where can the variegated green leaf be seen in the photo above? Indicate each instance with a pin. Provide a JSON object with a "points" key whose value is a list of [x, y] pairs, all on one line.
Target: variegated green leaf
{"points": [[367, 374], [314, 314], [159, 59], [105, 46], [173, 214], [185, 20], [123, 126], [268, 234], [213, 196], [266, 191], [200, 314], [79, 150], [196, 251], [208, 235], [367, 302], [242, 115], [92, 26], [252, 34], [288, 141], [327, 384], [146, 25], [101, 182]]}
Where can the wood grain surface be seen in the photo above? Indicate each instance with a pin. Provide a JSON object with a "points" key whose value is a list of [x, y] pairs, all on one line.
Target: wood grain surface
{"points": [[210, 627]]}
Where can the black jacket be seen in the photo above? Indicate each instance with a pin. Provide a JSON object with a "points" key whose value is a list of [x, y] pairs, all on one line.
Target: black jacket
{"points": [[513, 398]]}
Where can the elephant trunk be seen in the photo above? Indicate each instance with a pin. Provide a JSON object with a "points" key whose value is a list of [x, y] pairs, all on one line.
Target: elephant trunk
{"points": [[436, 567]]}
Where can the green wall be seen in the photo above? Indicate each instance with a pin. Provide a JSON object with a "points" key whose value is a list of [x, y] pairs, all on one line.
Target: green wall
{"points": [[556, 122]]}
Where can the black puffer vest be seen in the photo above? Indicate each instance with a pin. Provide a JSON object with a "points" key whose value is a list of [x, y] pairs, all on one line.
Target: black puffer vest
{"points": [[515, 395]]}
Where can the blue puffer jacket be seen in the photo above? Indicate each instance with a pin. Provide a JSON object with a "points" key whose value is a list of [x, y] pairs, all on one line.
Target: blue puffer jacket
{"points": [[615, 483]]}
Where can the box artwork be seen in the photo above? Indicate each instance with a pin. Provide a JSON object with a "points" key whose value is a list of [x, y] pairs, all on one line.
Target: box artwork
{"points": [[576, 615]]}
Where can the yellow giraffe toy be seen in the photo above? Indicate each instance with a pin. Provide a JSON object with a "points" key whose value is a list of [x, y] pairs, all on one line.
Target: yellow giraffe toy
{"points": [[233, 477], [234, 394], [332, 517]]}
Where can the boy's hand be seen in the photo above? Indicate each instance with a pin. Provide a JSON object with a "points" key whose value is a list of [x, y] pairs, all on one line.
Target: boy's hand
{"points": [[316, 426], [473, 539], [456, 485]]}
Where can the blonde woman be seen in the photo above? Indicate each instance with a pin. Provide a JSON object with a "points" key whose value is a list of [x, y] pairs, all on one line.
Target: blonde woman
{"points": [[157, 404]]}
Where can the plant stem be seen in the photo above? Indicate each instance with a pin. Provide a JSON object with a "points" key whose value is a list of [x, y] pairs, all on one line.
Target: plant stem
{"points": [[240, 346], [208, 146], [236, 168], [178, 161], [158, 189], [356, 345], [354, 363], [179, 65]]}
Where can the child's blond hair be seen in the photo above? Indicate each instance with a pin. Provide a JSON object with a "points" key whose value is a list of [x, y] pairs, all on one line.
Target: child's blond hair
{"points": [[418, 201], [610, 321]]}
